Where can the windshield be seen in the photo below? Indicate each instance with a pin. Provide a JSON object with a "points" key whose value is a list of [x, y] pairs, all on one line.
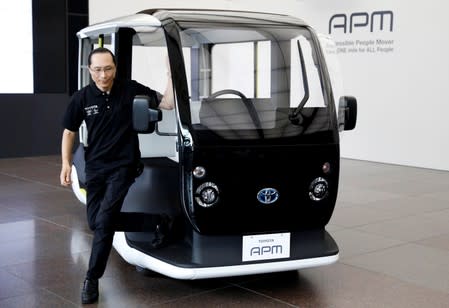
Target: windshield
{"points": [[254, 83]]}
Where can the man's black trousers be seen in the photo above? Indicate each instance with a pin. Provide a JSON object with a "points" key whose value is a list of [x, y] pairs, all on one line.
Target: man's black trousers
{"points": [[105, 195]]}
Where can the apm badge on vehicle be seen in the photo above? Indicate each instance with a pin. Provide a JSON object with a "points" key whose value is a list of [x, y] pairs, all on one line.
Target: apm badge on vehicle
{"points": [[267, 195]]}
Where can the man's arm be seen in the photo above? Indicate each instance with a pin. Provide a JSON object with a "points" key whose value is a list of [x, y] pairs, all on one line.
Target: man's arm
{"points": [[68, 139], [168, 100]]}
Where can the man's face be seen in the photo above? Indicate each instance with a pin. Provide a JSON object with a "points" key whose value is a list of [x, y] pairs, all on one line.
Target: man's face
{"points": [[102, 71]]}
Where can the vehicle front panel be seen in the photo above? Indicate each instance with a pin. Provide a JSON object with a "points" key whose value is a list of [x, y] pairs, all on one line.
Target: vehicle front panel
{"points": [[242, 173]]}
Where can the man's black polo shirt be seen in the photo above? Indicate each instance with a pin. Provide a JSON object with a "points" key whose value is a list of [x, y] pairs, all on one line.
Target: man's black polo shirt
{"points": [[112, 142]]}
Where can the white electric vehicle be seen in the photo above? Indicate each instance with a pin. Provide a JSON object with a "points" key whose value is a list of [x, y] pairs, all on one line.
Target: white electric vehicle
{"points": [[248, 161]]}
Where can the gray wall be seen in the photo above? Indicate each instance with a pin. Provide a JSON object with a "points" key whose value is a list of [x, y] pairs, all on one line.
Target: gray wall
{"points": [[30, 124]]}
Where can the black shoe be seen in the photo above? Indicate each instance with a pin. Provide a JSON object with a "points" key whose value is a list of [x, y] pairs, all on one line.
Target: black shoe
{"points": [[163, 233], [89, 295]]}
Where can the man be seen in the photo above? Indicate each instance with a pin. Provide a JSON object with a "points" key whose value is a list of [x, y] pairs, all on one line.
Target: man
{"points": [[112, 155]]}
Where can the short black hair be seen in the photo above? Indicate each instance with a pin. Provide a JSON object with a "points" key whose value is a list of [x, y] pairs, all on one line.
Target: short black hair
{"points": [[100, 50]]}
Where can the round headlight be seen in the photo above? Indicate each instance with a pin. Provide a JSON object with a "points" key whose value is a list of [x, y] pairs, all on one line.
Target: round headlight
{"points": [[318, 189], [199, 172], [206, 194], [326, 167]]}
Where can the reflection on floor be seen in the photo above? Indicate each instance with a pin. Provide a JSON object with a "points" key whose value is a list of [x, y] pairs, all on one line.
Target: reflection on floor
{"points": [[391, 224]]}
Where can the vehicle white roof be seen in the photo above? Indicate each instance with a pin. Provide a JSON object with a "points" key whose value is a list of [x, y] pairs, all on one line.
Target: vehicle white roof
{"points": [[223, 16], [154, 18], [134, 21]]}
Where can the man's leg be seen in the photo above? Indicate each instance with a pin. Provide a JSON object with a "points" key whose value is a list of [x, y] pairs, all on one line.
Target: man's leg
{"points": [[138, 222], [96, 187], [105, 197], [117, 186]]}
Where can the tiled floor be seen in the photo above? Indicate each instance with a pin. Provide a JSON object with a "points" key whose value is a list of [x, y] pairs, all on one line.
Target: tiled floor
{"points": [[391, 224]]}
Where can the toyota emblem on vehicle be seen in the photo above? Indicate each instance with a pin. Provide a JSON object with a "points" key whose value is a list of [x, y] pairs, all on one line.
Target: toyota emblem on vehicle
{"points": [[267, 195]]}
